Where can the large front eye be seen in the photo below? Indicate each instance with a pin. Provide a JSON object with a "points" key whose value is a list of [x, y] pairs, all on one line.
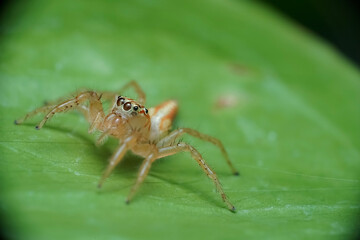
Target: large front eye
{"points": [[127, 106], [120, 101]]}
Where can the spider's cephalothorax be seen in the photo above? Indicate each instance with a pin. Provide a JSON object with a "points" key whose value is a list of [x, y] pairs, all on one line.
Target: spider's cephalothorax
{"points": [[126, 117], [127, 108], [144, 132]]}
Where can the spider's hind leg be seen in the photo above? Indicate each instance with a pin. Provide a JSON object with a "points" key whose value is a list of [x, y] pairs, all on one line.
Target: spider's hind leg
{"points": [[177, 133], [132, 84], [183, 147]]}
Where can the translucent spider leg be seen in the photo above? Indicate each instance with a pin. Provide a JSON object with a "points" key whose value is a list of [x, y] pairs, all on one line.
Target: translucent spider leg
{"points": [[180, 147], [143, 172], [102, 138], [141, 95], [43, 109], [117, 157], [94, 112], [177, 133], [96, 122], [48, 107]]}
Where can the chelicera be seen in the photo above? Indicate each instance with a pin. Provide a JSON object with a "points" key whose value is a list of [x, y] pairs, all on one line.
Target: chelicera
{"points": [[144, 132]]}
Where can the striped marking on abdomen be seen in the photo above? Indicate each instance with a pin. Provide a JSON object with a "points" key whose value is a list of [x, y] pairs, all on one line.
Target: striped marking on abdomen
{"points": [[162, 116]]}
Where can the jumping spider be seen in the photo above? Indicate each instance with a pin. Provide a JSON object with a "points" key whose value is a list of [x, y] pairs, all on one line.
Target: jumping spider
{"points": [[144, 132]]}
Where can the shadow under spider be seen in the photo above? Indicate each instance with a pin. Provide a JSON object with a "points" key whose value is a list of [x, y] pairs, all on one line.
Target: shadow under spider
{"points": [[130, 164], [190, 188], [101, 152]]}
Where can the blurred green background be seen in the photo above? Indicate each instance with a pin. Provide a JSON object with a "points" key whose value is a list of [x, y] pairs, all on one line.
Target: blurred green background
{"points": [[292, 126]]}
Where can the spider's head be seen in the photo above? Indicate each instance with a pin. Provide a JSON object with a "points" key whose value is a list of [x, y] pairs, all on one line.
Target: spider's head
{"points": [[128, 108]]}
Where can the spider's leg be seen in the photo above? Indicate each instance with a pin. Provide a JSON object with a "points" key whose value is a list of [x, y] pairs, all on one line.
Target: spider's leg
{"points": [[43, 109], [177, 133], [141, 95], [143, 172], [95, 122], [63, 98], [93, 113], [117, 157], [102, 138], [181, 147], [46, 109]]}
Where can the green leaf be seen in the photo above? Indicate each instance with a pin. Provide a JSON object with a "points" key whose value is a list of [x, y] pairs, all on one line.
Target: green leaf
{"points": [[291, 125]]}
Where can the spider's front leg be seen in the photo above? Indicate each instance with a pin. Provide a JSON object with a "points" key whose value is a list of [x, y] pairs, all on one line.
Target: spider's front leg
{"points": [[43, 109], [116, 158], [128, 144], [94, 112], [180, 147], [144, 170]]}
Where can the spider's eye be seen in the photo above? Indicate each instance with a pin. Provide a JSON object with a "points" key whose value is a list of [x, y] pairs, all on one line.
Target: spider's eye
{"points": [[127, 106], [135, 108], [146, 111], [120, 101]]}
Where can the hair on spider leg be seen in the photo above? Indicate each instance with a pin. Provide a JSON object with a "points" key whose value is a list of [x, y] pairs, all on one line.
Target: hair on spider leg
{"points": [[101, 138]]}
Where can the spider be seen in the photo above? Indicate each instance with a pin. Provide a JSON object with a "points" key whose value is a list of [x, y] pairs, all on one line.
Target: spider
{"points": [[145, 132]]}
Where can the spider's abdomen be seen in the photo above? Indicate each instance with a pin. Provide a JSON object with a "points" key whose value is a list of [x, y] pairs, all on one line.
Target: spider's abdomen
{"points": [[162, 117]]}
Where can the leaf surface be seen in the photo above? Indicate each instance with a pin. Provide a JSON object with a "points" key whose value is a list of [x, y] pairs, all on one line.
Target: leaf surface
{"points": [[284, 103]]}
